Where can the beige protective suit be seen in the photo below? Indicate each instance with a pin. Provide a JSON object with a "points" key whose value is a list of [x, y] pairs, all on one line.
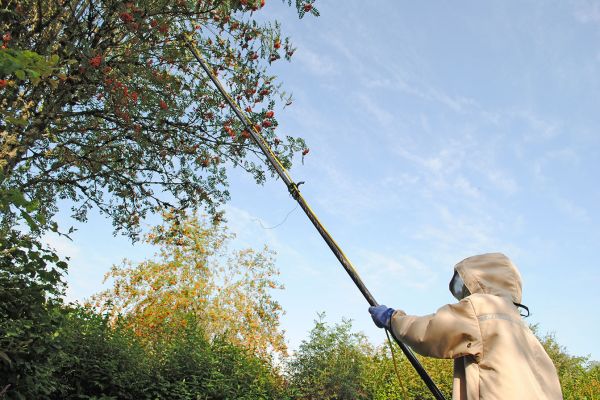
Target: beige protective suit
{"points": [[496, 356]]}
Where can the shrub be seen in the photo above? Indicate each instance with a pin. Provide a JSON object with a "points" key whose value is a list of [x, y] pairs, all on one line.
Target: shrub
{"points": [[30, 315], [331, 364]]}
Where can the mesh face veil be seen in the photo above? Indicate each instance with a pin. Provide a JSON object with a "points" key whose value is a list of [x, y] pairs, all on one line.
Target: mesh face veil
{"points": [[458, 288]]}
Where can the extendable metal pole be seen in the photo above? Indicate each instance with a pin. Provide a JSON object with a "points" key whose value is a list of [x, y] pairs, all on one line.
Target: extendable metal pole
{"points": [[295, 192]]}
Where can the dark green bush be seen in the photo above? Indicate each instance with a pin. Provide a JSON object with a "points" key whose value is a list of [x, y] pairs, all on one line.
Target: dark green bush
{"points": [[98, 360], [331, 364], [190, 366], [30, 315], [49, 350]]}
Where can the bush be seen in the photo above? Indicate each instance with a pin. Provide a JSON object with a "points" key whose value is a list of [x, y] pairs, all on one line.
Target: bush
{"points": [[190, 366], [30, 315], [335, 363], [98, 360], [331, 364], [579, 378], [49, 350]]}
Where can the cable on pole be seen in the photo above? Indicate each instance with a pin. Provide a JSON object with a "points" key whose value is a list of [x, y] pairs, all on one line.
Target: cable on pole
{"points": [[295, 193]]}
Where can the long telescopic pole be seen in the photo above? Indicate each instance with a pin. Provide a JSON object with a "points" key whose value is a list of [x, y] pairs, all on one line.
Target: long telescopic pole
{"points": [[295, 192]]}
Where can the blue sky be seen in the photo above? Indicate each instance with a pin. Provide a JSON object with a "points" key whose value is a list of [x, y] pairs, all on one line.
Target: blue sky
{"points": [[437, 130]]}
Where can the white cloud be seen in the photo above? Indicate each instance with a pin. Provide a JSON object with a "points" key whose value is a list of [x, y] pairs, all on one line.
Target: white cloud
{"points": [[587, 11], [343, 195], [446, 161], [407, 270], [382, 116], [370, 75], [318, 64], [473, 231], [542, 129], [564, 156], [464, 186], [572, 210], [502, 181]]}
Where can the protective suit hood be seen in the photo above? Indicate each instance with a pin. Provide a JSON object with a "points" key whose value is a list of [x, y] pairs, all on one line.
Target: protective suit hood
{"points": [[491, 273]]}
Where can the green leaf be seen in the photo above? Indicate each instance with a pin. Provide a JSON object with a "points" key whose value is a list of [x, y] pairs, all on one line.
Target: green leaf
{"points": [[17, 198], [41, 219], [32, 73], [20, 74], [30, 221], [32, 206], [5, 357], [16, 121]]}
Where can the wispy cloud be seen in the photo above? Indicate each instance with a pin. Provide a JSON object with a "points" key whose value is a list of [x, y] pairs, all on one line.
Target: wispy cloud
{"points": [[562, 157], [471, 231], [444, 161], [343, 195], [572, 210], [382, 116], [539, 128], [587, 11], [318, 64], [502, 181], [416, 87], [464, 186], [406, 270]]}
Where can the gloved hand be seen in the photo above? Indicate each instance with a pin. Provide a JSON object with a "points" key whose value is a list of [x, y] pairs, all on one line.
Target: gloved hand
{"points": [[381, 315]]}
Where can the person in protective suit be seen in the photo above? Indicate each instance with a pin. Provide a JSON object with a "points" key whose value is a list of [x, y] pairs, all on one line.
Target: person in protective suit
{"points": [[496, 356]]}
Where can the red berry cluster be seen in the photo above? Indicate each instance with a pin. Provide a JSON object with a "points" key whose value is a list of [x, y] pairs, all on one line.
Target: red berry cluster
{"points": [[96, 61], [227, 128], [126, 17], [121, 97], [5, 39], [253, 4], [267, 123]]}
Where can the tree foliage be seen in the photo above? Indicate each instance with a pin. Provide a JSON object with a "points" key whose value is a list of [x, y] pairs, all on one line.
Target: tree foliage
{"points": [[49, 350], [90, 358], [579, 378], [337, 363], [103, 105], [30, 304], [330, 364], [195, 273]]}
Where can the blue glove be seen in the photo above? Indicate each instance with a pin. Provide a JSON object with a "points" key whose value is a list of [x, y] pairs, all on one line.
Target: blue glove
{"points": [[381, 316]]}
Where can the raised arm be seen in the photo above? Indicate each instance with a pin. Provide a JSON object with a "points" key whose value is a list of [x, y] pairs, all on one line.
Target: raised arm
{"points": [[451, 332]]}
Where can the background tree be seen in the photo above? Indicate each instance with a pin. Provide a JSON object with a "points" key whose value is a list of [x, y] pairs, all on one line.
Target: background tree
{"points": [[331, 363], [336, 363], [102, 104], [579, 377], [227, 292]]}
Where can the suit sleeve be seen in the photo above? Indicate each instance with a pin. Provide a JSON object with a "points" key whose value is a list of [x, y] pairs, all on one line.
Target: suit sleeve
{"points": [[451, 332]]}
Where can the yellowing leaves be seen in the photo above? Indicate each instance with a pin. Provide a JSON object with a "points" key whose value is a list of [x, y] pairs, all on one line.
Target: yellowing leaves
{"points": [[195, 274]]}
